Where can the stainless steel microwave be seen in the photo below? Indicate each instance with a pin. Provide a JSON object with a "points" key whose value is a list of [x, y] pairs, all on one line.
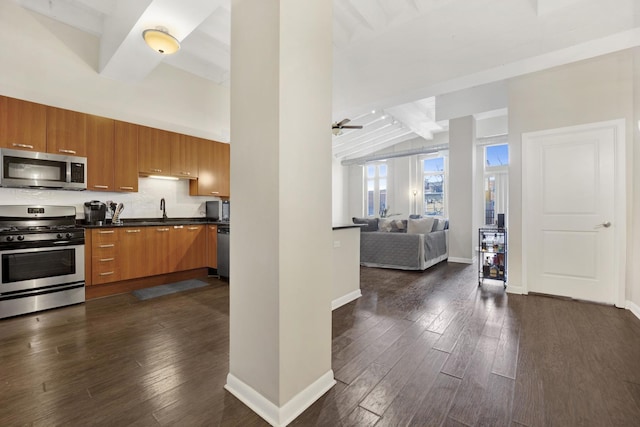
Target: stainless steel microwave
{"points": [[28, 169]]}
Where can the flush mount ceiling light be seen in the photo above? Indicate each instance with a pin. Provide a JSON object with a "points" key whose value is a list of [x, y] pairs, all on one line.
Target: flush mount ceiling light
{"points": [[161, 41]]}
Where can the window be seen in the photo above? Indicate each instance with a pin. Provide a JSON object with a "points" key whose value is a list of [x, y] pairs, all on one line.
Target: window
{"points": [[434, 186], [496, 181], [376, 181]]}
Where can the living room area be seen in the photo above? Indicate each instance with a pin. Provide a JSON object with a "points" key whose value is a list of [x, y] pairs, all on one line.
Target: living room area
{"points": [[457, 113]]}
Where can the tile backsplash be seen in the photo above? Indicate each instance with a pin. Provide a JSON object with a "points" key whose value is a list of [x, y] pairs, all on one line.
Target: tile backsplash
{"points": [[143, 204]]}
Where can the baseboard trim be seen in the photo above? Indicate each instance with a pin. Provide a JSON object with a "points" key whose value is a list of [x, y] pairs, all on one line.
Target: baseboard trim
{"points": [[274, 415], [517, 290], [345, 299], [461, 260], [634, 308]]}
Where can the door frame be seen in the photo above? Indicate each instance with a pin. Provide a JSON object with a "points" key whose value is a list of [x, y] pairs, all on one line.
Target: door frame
{"points": [[620, 201]]}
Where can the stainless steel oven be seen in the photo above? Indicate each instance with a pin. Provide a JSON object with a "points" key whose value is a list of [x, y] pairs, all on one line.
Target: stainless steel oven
{"points": [[41, 259]]}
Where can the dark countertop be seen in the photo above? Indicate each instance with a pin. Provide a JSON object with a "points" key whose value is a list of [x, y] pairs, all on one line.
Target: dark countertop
{"points": [[151, 222], [341, 226]]}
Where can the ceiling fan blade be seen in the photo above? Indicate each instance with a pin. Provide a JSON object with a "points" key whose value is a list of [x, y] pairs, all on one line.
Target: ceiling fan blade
{"points": [[352, 127], [342, 122]]}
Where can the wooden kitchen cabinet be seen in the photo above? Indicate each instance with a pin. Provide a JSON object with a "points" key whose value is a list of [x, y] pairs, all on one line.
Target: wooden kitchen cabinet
{"points": [[154, 151], [100, 153], [104, 256], [66, 132], [126, 157], [133, 253], [212, 246], [23, 125], [188, 247], [222, 156], [213, 170], [184, 157], [159, 246]]}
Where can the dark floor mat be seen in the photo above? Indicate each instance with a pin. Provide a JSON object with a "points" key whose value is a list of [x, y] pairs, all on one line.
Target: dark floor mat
{"points": [[171, 288]]}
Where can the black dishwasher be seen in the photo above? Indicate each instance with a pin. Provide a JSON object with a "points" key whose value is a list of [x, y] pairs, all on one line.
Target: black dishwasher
{"points": [[223, 251]]}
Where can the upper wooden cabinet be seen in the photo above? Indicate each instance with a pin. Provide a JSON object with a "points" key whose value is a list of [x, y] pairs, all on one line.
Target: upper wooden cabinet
{"points": [[23, 125], [154, 150], [213, 170], [100, 153], [126, 157], [66, 132], [184, 157], [222, 155]]}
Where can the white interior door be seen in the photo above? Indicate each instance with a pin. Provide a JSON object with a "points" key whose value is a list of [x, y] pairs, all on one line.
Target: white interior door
{"points": [[571, 217]]}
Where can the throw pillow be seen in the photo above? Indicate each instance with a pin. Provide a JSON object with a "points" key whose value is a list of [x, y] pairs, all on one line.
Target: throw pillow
{"points": [[441, 224], [391, 225], [420, 225], [370, 224]]}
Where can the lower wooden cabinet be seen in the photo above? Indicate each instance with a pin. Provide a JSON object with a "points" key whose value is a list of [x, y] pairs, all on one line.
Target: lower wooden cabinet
{"points": [[125, 253], [188, 247], [104, 256], [133, 254]]}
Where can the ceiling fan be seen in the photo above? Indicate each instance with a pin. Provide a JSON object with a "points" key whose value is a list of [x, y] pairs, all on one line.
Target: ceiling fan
{"points": [[337, 127]]}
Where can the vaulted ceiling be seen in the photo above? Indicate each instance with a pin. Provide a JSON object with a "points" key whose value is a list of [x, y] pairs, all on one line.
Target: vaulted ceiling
{"points": [[392, 58]]}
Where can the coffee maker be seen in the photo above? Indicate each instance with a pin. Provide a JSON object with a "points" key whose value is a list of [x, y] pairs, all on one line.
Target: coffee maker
{"points": [[95, 212]]}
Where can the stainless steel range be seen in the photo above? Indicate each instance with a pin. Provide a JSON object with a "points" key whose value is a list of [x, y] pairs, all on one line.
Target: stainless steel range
{"points": [[42, 259]]}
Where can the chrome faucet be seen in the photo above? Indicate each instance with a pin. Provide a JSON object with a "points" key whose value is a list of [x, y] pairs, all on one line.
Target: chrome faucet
{"points": [[163, 207]]}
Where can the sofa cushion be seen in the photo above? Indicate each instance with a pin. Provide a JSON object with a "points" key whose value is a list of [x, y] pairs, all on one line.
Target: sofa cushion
{"points": [[420, 225], [392, 225], [440, 224], [371, 224]]}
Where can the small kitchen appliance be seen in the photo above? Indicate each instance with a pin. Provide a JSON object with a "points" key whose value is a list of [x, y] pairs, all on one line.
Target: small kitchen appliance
{"points": [[95, 212], [212, 210]]}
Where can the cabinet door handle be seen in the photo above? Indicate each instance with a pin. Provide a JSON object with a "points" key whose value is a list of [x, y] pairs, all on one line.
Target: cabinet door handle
{"points": [[62, 150], [126, 188], [162, 229], [29, 146], [133, 231], [193, 228], [107, 246], [106, 232], [213, 227], [156, 170], [178, 226], [185, 173], [101, 186], [215, 192], [106, 259], [106, 273]]}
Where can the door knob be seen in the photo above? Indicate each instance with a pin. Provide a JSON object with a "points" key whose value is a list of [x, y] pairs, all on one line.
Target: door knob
{"points": [[606, 224]]}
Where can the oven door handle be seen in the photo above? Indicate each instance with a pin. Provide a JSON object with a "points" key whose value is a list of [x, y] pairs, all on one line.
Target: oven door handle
{"points": [[62, 242]]}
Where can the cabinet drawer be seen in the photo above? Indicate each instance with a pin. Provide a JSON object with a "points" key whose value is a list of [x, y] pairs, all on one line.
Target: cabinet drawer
{"points": [[104, 270], [104, 250], [104, 235]]}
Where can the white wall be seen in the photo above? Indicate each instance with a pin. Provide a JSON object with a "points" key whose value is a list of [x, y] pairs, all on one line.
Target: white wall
{"points": [[340, 193], [594, 90], [280, 304], [51, 63], [461, 189]]}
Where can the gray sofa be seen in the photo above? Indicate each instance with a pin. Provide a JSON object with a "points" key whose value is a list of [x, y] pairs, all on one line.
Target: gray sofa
{"points": [[398, 246]]}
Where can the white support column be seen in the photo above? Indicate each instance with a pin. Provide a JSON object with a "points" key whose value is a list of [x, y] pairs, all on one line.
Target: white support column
{"points": [[461, 178], [281, 245]]}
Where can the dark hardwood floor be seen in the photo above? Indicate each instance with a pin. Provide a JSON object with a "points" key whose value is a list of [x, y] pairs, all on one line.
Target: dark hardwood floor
{"points": [[419, 348]]}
